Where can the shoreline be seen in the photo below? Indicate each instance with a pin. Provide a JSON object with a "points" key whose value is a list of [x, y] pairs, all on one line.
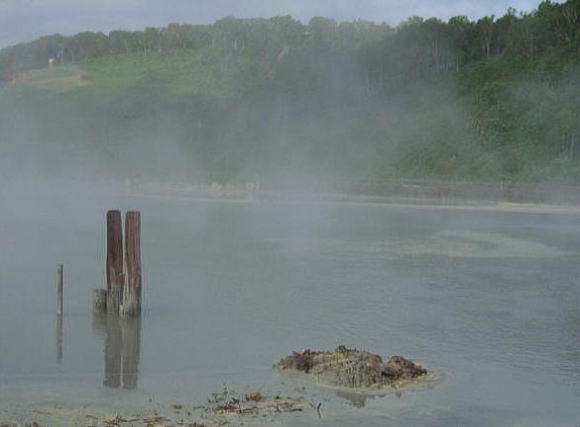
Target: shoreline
{"points": [[249, 194], [476, 196]]}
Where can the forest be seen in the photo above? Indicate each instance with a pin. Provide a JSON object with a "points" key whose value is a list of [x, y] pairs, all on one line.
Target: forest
{"points": [[279, 100]]}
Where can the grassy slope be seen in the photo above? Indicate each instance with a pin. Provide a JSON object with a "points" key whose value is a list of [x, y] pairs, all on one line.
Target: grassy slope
{"points": [[180, 73], [61, 78]]}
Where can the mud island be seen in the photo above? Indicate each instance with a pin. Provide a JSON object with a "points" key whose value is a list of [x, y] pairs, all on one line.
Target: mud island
{"points": [[357, 370]]}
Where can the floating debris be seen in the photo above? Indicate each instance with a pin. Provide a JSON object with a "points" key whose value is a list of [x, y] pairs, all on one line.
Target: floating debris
{"points": [[231, 403]]}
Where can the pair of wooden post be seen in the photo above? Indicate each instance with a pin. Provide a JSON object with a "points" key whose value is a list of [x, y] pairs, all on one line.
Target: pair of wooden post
{"points": [[123, 294]]}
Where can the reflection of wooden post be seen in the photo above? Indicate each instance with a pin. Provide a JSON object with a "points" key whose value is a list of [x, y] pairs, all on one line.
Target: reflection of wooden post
{"points": [[132, 288], [122, 349], [114, 261], [59, 339], [113, 347], [99, 324], [59, 311], [100, 301], [131, 329], [59, 271]]}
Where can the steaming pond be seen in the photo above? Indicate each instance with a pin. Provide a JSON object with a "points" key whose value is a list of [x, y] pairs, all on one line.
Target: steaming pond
{"points": [[489, 298]]}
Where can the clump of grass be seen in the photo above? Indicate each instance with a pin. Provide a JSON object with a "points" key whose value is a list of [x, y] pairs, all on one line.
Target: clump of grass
{"points": [[229, 402], [353, 368]]}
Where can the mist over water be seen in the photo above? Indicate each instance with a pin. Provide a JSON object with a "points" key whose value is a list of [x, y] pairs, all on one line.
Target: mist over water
{"points": [[302, 184], [231, 287]]}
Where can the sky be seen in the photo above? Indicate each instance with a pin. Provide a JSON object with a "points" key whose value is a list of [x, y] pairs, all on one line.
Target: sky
{"points": [[24, 20]]}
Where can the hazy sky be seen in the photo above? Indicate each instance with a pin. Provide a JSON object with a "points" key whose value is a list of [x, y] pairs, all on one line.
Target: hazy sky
{"points": [[22, 20]]}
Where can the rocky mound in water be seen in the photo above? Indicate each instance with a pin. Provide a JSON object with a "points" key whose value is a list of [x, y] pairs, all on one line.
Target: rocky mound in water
{"points": [[353, 368]]}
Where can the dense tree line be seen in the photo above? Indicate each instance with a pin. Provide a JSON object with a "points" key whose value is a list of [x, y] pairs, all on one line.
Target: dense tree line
{"points": [[417, 44], [256, 37], [491, 98]]}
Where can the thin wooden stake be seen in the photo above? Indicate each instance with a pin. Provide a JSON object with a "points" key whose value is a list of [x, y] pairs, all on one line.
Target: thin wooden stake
{"points": [[59, 289], [114, 262], [132, 288]]}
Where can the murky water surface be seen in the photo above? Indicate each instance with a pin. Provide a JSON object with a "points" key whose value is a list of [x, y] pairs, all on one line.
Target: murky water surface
{"points": [[490, 299]]}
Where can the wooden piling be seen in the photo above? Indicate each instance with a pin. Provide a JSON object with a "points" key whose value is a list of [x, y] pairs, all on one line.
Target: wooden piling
{"points": [[59, 289], [132, 289], [115, 276]]}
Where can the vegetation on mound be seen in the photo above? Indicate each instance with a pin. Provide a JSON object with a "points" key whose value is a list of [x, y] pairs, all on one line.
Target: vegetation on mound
{"points": [[353, 368]]}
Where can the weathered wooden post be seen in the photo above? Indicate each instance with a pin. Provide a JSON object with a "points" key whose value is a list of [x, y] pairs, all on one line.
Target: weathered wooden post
{"points": [[122, 296], [132, 289], [59, 289], [114, 262]]}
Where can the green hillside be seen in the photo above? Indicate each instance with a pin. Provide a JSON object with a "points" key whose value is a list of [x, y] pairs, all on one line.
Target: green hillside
{"points": [[61, 78], [278, 100]]}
